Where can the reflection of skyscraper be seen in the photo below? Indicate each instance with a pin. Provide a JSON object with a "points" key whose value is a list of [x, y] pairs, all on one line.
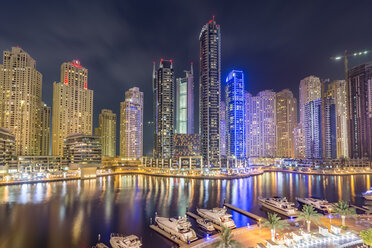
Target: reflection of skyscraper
{"points": [[20, 100], [72, 105], [235, 116], [185, 103], [286, 122], [260, 129], [360, 111], [131, 124], [223, 129], [337, 91], [210, 93], [163, 86], [106, 131]]}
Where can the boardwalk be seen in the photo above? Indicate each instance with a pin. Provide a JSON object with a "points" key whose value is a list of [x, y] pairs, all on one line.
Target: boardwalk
{"points": [[243, 212]]}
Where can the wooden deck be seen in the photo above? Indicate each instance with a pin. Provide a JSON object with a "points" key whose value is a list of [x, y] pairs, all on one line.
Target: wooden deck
{"points": [[243, 212]]}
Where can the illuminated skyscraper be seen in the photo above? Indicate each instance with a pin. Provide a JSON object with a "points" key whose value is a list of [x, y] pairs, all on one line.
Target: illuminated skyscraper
{"points": [[131, 124], [286, 122], [360, 111], [20, 100], [185, 103], [163, 87], [223, 129], [310, 89], [45, 129], [337, 91], [235, 115], [210, 93], [72, 105], [260, 124], [106, 131]]}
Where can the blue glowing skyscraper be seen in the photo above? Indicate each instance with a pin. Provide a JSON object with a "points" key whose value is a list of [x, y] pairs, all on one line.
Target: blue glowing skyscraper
{"points": [[235, 116]]}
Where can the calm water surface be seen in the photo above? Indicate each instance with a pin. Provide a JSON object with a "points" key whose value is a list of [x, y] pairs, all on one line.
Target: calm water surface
{"points": [[73, 213]]}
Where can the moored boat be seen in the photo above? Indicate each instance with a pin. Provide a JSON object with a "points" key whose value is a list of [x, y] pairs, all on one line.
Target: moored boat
{"points": [[118, 240], [205, 224], [218, 216], [322, 205], [279, 205], [180, 228], [368, 194]]}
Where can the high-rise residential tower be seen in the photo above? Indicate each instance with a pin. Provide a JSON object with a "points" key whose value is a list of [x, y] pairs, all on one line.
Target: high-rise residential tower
{"points": [[20, 100], [131, 124], [72, 105], [163, 87], [286, 122], [45, 129], [360, 111], [313, 129], [210, 93], [185, 103], [235, 115], [337, 91], [223, 131], [260, 124], [106, 131]]}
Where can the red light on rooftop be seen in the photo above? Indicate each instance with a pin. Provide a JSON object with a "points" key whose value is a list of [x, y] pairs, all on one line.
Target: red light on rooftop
{"points": [[85, 85], [161, 60], [76, 63], [191, 62], [171, 60]]}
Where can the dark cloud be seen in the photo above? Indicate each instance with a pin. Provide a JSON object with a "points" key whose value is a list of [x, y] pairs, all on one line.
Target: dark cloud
{"points": [[276, 43]]}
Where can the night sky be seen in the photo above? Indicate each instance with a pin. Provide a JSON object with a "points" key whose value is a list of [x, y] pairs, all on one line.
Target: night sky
{"points": [[276, 43]]}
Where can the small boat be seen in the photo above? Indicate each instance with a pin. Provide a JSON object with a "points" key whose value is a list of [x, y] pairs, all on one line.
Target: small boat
{"points": [[218, 216], [100, 245], [118, 240], [180, 228], [368, 194], [279, 205], [322, 205], [205, 224]]}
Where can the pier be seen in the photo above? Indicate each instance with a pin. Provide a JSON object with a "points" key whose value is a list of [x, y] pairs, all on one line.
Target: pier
{"points": [[196, 217], [168, 236], [360, 208], [243, 212]]}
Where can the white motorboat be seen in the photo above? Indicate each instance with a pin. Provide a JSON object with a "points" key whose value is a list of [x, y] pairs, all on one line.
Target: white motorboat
{"points": [[205, 224], [368, 194], [279, 205], [218, 216], [321, 205], [118, 240], [181, 228]]}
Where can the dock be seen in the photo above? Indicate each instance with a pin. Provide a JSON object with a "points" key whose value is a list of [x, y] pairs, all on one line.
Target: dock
{"points": [[168, 236], [243, 212], [360, 208], [196, 217]]}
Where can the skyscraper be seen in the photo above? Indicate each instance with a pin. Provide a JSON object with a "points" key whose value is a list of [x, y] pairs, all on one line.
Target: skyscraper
{"points": [[260, 124], [329, 126], [20, 100], [163, 87], [106, 131], [313, 129], [185, 103], [337, 91], [223, 129], [235, 114], [131, 124], [286, 122], [360, 111], [210, 93], [45, 130], [72, 105]]}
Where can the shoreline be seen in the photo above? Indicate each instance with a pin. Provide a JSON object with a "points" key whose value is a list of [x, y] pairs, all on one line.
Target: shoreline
{"points": [[203, 177]]}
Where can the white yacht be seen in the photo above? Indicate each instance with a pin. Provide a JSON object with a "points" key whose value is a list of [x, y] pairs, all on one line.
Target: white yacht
{"points": [[321, 205], [368, 194], [205, 224], [279, 205], [181, 228], [218, 216], [118, 240]]}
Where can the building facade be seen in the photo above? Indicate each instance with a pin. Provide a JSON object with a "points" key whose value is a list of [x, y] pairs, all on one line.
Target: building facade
{"points": [[235, 114], [72, 105], [163, 88], [223, 131], [185, 103], [45, 129], [7, 149], [313, 129], [20, 100], [210, 94], [131, 124], [261, 124], [186, 145], [106, 131], [286, 122], [337, 91], [82, 150], [360, 111], [330, 130]]}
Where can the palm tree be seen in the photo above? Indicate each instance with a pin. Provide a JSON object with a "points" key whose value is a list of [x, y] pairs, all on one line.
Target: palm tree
{"points": [[366, 236], [309, 215], [342, 208], [274, 222], [226, 240]]}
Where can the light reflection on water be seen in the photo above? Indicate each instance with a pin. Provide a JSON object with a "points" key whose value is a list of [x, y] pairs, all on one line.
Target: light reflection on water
{"points": [[73, 213]]}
